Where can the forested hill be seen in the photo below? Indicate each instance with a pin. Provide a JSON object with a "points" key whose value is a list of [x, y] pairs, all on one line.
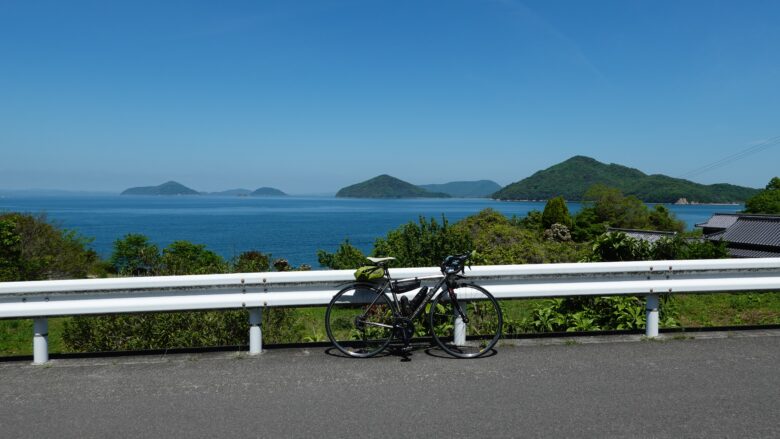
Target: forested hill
{"points": [[168, 188], [574, 176], [465, 189], [385, 186], [268, 192]]}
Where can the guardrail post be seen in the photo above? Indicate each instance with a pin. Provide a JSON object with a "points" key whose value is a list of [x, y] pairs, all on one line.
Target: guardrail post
{"points": [[40, 340], [459, 330], [651, 328], [255, 331]]}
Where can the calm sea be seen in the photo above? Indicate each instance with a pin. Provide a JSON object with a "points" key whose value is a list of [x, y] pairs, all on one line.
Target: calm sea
{"points": [[293, 227]]}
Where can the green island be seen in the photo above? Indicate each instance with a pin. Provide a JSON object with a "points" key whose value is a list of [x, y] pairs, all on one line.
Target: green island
{"points": [[385, 186], [176, 188], [33, 248], [167, 188], [268, 192], [573, 177]]}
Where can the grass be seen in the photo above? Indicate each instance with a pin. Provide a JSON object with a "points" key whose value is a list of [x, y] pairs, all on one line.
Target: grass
{"points": [[703, 310], [691, 311], [16, 336]]}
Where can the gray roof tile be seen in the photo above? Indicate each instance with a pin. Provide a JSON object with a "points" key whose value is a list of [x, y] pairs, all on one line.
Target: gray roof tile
{"points": [[755, 231], [720, 221]]}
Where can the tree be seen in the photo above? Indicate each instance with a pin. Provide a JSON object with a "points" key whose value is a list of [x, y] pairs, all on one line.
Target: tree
{"points": [[766, 201], [556, 212], [252, 262], [345, 258], [135, 255], [499, 240], [423, 244], [617, 246], [184, 257], [32, 248], [661, 218], [608, 207]]}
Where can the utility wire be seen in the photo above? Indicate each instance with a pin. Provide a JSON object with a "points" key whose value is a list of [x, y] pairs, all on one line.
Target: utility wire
{"points": [[769, 143]]}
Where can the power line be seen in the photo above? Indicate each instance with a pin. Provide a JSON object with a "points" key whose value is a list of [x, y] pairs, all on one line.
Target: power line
{"points": [[774, 141]]}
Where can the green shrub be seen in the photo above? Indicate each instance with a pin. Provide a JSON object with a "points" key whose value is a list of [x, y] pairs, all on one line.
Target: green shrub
{"points": [[347, 257], [556, 212], [423, 244], [135, 255], [32, 248]]}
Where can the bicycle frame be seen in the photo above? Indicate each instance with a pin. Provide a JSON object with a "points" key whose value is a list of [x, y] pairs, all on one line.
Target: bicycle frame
{"points": [[432, 294]]}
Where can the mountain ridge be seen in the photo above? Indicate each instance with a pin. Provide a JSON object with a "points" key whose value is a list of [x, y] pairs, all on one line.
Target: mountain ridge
{"points": [[573, 177], [386, 186]]}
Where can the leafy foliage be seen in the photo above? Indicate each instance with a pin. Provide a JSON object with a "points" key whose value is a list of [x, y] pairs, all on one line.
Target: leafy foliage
{"points": [[766, 201], [252, 262], [556, 212], [183, 257], [32, 248], [423, 244], [346, 257], [499, 240], [608, 207], [135, 255]]}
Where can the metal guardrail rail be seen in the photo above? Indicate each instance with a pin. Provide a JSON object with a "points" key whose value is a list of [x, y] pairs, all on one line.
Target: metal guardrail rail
{"points": [[255, 291]]}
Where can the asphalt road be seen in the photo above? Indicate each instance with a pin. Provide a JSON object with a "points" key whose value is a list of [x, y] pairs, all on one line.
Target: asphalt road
{"points": [[717, 387]]}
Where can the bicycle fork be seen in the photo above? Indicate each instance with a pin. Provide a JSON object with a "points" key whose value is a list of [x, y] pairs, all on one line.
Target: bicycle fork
{"points": [[455, 304]]}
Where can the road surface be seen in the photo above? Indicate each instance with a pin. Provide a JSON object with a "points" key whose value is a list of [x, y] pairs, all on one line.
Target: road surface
{"points": [[726, 386]]}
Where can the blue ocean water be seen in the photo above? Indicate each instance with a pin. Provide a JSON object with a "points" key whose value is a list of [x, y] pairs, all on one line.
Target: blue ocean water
{"points": [[291, 227]]}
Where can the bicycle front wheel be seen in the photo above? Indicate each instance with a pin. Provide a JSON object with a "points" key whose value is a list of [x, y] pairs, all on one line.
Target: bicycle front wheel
{"points": [[359, 321], [477, 333]]}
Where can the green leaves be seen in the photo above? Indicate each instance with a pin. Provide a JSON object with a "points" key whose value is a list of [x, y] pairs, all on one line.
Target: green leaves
{"points": [[423, 244], [347, 257], [32, 248], [556, 212], [766, 201], [135, 255]]}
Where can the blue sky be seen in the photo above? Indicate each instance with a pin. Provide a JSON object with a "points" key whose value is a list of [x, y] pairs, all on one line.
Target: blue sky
{"points": [[312, 96]]}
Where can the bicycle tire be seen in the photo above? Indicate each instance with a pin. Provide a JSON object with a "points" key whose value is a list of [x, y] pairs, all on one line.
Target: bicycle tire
{"points": [[483, 329], [355, 336]]}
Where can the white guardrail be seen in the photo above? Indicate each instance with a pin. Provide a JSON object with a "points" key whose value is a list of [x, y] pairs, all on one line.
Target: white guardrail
{"points": [[41, 299]]}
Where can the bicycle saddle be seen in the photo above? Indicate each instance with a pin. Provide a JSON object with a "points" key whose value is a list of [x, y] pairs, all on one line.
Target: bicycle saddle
{"points": [[380, 260]]}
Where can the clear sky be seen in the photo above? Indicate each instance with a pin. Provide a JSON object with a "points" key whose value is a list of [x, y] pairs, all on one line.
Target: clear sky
{"points": [[312, 96]]}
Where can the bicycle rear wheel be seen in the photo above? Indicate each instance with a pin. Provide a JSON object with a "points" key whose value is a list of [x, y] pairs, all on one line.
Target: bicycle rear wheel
{"points": [[359, 321], [466, 339]]}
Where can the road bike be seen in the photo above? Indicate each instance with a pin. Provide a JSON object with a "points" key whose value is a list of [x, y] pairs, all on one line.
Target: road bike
{"points": [[463, 318]]}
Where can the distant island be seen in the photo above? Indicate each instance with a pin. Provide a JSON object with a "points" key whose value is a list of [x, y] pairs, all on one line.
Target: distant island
{"points": [[465, 189], [268, 192], [176, 188], [573, 177], [385, 186], [167, 188]]}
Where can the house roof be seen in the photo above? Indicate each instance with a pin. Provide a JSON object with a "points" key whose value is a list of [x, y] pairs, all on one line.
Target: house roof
{"points": [[644, 235], [720, 221], [750, 253], [753, 230]]}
